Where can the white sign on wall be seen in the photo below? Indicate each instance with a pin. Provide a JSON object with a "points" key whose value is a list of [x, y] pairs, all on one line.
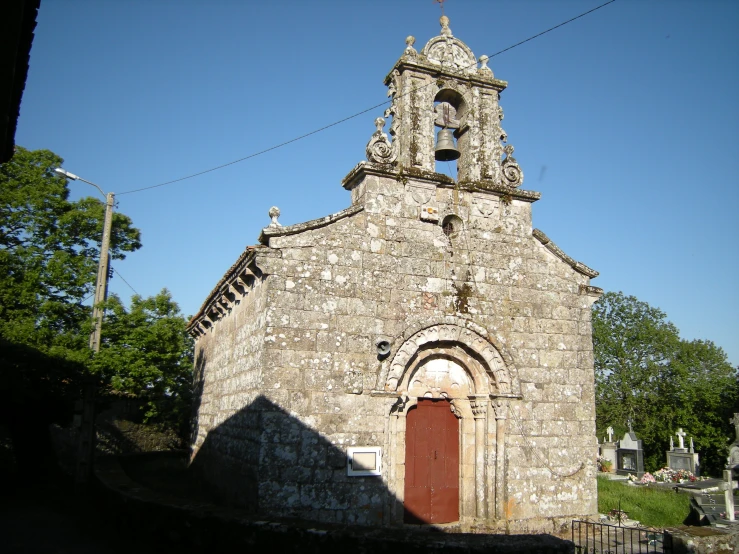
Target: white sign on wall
{"points": [[363, 461]]}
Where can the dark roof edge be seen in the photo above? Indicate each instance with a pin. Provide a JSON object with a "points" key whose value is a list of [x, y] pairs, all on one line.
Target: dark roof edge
{"points": [[245, 259], [557, 251], [269, 232]]}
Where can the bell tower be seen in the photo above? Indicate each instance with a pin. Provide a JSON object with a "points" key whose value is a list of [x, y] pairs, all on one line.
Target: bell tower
{"points": [[445, 89]]}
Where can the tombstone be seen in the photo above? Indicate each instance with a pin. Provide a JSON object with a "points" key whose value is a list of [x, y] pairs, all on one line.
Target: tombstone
{"points": [[683, 458], [608, 449], [630, 455]]}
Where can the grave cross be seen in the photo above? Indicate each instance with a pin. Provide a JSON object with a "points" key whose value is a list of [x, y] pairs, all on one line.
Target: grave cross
{"points": [[680, 435], [610, 434]]}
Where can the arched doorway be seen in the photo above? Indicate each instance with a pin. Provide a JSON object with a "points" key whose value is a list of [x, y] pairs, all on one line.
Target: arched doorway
{"points": [[459, 373]]}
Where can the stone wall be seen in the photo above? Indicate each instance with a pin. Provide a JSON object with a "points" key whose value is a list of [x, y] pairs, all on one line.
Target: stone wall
{"points": [[229, 372], [292, 376]]}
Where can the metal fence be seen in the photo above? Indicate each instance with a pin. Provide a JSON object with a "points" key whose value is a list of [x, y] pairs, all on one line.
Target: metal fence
{"points": [[603, 538]]}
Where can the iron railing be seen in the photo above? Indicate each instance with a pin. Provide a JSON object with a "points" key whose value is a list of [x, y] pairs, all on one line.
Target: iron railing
{"points": [[604, 538]]}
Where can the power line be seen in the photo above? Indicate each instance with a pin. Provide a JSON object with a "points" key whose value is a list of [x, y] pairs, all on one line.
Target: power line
{"points": [[301, 137], [124, 280], [553, 28]]}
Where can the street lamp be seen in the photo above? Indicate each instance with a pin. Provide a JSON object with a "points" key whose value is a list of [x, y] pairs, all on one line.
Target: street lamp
{"points": [[101, 284], [86, 446]]}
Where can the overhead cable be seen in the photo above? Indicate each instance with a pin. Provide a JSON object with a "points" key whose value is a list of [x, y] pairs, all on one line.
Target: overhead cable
{"points": [[335, 123]]}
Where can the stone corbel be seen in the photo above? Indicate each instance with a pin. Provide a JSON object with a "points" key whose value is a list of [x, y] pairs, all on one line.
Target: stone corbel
{"points": [[238, 287], [234, 292]]}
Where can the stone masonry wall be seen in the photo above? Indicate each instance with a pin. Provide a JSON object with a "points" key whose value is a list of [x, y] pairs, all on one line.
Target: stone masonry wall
{"points": [[292, 377], [229, 364], [335, 290]]}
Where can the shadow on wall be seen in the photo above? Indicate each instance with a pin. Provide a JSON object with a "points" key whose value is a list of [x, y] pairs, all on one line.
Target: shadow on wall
{"points": [[269, 462]]}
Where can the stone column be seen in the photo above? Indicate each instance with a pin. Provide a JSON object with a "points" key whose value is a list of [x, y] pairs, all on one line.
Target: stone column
{"points": [[479, 405], [500, 405]]}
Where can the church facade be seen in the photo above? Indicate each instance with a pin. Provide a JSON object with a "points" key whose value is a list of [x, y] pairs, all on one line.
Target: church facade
{"points": [[423, 356]]}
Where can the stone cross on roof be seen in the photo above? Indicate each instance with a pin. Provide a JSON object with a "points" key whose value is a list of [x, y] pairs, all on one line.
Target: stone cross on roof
{"points": [[680, 436], [610, 433]]}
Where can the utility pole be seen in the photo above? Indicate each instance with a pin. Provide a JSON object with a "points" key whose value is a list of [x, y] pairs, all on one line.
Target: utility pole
{"points": [[101, 285], [86, 445]]}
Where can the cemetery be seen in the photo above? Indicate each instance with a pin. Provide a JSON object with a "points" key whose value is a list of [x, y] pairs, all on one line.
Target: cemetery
{"points": [[699, 500]]}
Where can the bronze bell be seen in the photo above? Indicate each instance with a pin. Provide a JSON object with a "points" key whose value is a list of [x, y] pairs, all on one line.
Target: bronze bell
{"points": [[445, 150]]}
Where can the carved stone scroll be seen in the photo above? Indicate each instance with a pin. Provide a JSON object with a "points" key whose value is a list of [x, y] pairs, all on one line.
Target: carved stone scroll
{"points": [[379, 148], [512, 173]]}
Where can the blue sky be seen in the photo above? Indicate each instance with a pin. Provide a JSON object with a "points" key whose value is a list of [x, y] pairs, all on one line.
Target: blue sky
{"points": [[625, 120]]}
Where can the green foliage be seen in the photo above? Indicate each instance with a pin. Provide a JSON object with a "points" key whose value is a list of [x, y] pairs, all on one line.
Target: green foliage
{"points": [[48, 265], [49, 247], [651, 506], [644, 373], [147, 354]]}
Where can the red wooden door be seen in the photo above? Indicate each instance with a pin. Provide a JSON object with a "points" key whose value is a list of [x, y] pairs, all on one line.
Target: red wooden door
{"points": [[431, 463]]}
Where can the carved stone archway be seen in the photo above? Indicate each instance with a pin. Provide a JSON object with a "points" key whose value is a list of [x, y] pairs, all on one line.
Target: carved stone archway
{"points": [[462, 365]]}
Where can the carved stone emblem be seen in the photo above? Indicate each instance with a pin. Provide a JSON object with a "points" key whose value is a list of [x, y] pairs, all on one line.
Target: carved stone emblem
{"points": [[420, 195], [484, 206]]}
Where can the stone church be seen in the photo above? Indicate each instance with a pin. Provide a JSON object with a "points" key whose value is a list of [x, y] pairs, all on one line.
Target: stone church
{"points": [[422, 357]]}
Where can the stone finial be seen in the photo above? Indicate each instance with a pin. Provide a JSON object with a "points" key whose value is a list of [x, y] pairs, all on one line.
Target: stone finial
{"points": [[274, 213], [410, 40], [445, 30], [692, 448], [484, 64], [672, 443]]}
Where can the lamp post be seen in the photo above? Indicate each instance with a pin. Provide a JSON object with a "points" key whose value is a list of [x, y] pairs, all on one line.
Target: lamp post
{"points": [[86, 445], [101, 284]]}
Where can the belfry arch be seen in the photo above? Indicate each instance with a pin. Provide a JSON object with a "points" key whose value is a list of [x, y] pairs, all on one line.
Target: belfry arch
{"points": [[461, 365]]}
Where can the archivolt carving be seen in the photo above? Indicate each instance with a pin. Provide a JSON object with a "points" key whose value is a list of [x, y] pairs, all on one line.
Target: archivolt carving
{"points": [[456, 342]]}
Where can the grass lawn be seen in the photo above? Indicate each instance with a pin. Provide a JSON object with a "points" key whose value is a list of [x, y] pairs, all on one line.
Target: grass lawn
{"points": [[650, 505]]}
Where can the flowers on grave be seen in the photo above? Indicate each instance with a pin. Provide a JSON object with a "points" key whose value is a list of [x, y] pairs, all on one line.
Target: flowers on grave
{"points": [[644, 480], [604, 465], [722, 515], [668, 475], [648, 478]]}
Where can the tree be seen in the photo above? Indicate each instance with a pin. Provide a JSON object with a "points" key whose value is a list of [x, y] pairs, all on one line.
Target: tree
{"points": [[146, 353], [49, 247], [645, 374]]}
